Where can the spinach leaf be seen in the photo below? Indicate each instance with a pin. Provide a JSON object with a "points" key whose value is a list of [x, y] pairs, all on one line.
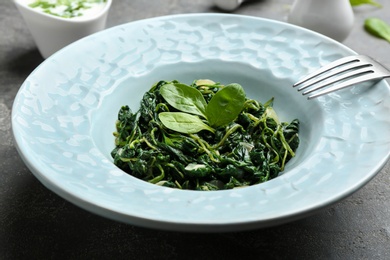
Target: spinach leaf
{"points": [[184, 98], [183, 122], [378, 28], [363, 2], [225, 105]]}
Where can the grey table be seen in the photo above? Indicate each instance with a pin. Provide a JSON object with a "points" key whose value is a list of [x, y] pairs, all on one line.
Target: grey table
{"points": [[37, 224]]}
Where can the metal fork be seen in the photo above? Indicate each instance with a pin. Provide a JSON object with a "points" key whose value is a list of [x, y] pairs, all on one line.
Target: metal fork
{"points": [[340, 74]]}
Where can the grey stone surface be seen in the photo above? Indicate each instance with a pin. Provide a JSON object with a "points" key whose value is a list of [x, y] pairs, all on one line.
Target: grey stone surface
{"points": [[37, 224]]}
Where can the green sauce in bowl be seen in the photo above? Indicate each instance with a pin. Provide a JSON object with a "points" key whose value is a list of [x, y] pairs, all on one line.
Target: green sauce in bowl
{"points": [[68, 8]]}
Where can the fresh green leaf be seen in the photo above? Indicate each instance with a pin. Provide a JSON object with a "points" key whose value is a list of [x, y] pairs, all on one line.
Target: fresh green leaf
{"points": [[225, 105], [184, 98], [183, 122], [378, 28], [364, 2]]}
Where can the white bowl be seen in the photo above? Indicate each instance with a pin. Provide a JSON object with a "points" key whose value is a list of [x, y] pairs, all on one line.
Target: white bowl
{"points": [[64, 115], [52, 33]]}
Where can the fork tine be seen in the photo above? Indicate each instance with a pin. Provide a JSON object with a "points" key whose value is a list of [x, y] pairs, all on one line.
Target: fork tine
{"points": [[340, 74], [345, 84], [332, 73], [361, 71], [328, 67]]}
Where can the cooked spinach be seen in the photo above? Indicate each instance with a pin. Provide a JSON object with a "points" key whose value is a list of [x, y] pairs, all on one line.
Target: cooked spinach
{"points": [[203, 136]]}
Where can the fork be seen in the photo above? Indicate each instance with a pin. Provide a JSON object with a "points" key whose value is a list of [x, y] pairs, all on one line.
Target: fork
{"points": [[340, 74]]}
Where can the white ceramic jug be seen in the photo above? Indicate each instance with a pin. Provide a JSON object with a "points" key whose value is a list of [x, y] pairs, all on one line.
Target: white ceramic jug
{"points": [[228, 5], [333, 18]]}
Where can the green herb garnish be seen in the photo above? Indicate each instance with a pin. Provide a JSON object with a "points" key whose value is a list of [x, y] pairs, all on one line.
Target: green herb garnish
{"points": [[223, 107], [364, 2], [203, 136], [378, 28], [64, 8]]}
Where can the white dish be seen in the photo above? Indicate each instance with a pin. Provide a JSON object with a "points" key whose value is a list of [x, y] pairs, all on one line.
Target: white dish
{"points": [[51, 33], [64, 113]]}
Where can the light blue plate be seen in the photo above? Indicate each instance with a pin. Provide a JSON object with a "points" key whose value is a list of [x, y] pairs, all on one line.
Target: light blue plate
{"points": [[64, 115]]}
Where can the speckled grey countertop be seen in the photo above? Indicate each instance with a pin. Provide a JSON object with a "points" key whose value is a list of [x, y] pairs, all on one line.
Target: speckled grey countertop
{"points": [[37, 224]]}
